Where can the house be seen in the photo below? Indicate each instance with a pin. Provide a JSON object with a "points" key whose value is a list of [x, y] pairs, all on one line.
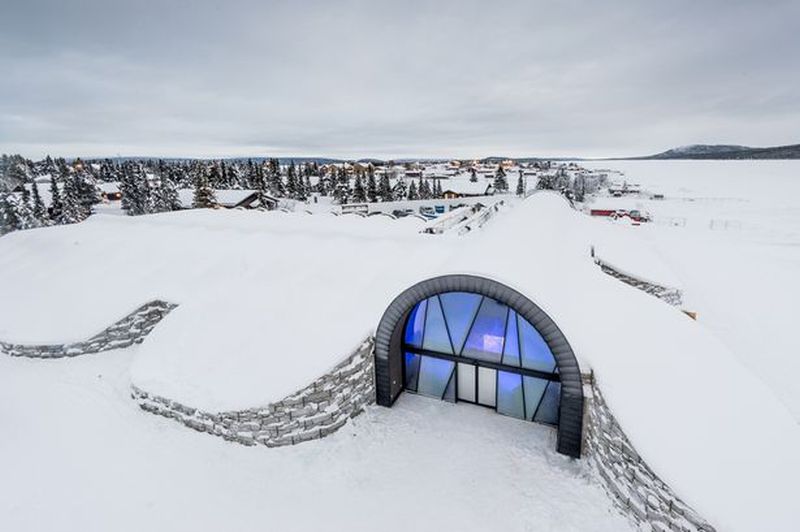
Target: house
{"points": [[464, 188], [229, 199]]}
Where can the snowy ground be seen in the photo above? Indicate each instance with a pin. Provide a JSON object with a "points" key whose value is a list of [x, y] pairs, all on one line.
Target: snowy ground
{"points": [[730, 232], [78, 454]]}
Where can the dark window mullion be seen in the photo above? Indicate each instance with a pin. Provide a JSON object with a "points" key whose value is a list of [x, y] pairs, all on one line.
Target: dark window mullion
{"points": [[471, 325], [539, 405], [446, 325]]}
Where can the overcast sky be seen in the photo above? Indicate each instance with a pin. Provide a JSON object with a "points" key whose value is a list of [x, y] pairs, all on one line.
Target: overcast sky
{"points": [[395, 78]]}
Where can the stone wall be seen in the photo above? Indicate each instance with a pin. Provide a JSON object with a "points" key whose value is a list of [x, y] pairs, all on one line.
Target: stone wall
{"points": [[635, 489], [131, 329], [673, 296], [319, 409]]}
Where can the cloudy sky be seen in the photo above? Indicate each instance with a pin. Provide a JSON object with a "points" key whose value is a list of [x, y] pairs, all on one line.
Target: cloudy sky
{"points": [[395, 78]]}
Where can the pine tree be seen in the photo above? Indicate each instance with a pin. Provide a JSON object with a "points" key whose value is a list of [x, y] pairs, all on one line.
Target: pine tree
{"points": [[424, 189], [400, 190], [359, 194], [385, 189], [9, 220], [73, 211], [262, 188], [56, 205], [166, 197], [412, 192], [520, 186], [87, 191], [39, 210], [203, 193], [500, 182], [291, 182], [372, 186]]}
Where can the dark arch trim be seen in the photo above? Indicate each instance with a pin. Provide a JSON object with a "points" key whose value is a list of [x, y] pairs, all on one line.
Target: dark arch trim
{"points": [[388, 339]]}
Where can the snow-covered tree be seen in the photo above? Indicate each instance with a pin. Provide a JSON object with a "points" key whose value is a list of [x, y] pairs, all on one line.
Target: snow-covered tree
{"points": [[412, 192], [73, 210], [56, 205], [166, 195], [385, 189], [372, 186], [39, 210], [500, 181], [359, 194], [203, 193], [520, 185]]}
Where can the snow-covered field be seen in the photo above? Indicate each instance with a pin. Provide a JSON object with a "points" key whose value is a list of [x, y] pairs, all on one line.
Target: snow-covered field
{"points": [[729, 231], [78, 455]]}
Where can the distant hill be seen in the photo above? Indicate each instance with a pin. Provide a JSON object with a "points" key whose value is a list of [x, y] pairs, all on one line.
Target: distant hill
{"points": [[726, 151]]}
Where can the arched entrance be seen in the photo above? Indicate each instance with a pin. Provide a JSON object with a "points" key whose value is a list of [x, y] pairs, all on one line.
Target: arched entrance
{"points": [[468, 338]]}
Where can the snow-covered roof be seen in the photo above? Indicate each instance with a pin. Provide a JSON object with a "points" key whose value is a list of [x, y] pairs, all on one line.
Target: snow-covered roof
{"points": [[224, 197], [463, 185], [269, 301]]}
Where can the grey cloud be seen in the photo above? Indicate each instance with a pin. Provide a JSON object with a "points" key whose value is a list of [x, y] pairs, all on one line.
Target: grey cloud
{"points": [[395, 79]]}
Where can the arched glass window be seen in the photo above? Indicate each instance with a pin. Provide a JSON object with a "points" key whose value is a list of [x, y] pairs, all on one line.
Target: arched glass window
{"points": [[461, 346]]}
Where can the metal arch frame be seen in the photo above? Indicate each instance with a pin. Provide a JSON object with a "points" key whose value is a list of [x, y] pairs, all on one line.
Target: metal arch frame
{"points": [[389, 362]]}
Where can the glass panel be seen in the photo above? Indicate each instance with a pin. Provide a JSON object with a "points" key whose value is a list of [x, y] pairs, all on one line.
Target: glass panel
{"points": [[487, 386], [485, 340], [436, 337], [534, 388], [511, 353], [534, 350], [412, 371], [415, 325], [548, 409], [509, 394], [433, 376], [466, 382], [459, 311], [450, 391]]}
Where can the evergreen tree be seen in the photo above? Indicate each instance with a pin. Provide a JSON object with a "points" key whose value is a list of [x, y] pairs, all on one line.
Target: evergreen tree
{"points": [[39, 210], [372, 186], [56, 205], [424, 189], [73, 210], [9, 219], [359, 194], [385, 188], [88, 192], [166, 197], [262, 188], [203, 193], [412, 192], [520, 186], [291, 182], [400, 190], [500, 182]]}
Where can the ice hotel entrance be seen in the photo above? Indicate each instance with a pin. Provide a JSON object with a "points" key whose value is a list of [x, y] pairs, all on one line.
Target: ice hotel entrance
{"points": [[463, 338]]}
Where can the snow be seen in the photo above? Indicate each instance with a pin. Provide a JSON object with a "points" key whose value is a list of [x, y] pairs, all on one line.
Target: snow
{"points": [[729, 231], [269, 301], [78, 454]]}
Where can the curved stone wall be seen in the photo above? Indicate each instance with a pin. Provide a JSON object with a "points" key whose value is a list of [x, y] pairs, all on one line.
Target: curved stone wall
{"points": [[635, 489], [319, 409], [673, 296], [132, 329]]}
